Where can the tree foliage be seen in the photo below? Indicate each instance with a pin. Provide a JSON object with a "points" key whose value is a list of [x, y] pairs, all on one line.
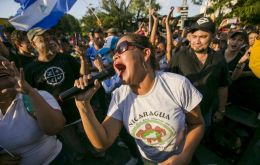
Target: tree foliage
{"points": [[140, 8], [88, 22], [247, 10], [68, 24], [115, 14], [120, 14]]}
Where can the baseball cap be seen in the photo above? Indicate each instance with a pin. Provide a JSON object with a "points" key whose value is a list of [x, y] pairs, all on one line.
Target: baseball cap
{"points": [[34, 32], [239, 32], [204, 24]]}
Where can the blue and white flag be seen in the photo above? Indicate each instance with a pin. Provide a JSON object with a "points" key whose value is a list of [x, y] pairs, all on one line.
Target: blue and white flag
{"points": [[40, 13]]}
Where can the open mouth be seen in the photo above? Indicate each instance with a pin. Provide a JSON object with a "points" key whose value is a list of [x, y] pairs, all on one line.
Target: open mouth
{"points": [[158, 52], [121, 68]]}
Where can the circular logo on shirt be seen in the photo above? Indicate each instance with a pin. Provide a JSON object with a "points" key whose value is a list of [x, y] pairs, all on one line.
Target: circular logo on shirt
{"points": [[54, 76], [153, 132]]}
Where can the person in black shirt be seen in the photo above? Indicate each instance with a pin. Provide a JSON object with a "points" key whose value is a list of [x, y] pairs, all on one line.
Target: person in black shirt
{"points": [[245, 88], [56, 73], [3, 49], [52, 71], [24, 54], [6, 36], [205, 68], [6, 47], [234, 51]]}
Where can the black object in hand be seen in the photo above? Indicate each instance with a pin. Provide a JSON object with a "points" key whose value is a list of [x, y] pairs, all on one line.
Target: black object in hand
{"points": [[106, 73]]}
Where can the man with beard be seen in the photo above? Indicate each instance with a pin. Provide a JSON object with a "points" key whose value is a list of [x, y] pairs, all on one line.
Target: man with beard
{"points": [[205, 68]]}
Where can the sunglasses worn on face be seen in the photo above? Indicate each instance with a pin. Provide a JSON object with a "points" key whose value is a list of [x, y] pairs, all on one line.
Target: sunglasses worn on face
{"points": [[124, 46]]}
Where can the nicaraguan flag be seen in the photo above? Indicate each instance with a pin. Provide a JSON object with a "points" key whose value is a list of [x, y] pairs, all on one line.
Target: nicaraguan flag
{"points": [[40, 13]]}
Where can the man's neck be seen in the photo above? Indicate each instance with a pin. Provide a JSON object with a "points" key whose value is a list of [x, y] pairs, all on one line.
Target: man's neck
{"points": [[45, 57], [96, 47], [23, 53], [202, 57], [231, 53]]}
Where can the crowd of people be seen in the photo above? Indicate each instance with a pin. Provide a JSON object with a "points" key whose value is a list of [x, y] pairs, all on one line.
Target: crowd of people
{"points": [[170, 86]]}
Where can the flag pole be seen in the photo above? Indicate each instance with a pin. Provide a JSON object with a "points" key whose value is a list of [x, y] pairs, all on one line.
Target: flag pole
{"points": [[100, 23]]}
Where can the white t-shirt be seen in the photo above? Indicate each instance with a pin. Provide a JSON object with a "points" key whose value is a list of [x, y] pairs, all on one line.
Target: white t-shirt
{"points": [[157, 119], [21, 134]]}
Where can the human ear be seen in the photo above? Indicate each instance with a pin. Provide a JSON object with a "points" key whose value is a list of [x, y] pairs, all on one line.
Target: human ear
{"points": [[33, 44], [18, 44], [147, 54]]}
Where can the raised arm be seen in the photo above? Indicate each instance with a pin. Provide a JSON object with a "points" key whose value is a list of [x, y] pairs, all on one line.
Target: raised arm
{"points": [[83, 61], [50, 120], [238, 72], [140, 28], [100, 135], [169, 36], [155, 26]]}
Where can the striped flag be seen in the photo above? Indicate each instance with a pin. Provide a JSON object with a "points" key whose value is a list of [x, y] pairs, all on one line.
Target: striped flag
{"points": [[40, 13]]}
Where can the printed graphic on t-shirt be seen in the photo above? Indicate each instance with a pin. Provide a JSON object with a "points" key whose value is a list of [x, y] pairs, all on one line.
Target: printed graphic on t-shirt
{"points": [[54, 76], [153, 132]]}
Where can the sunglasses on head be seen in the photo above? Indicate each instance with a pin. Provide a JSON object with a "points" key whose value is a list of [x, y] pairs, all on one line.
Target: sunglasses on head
{"points": [[124, 46]]}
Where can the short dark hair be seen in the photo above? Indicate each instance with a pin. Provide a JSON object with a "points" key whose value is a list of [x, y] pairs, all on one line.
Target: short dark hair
{"points": [[63, 40], [8, 29], [144, 41], [18, 36], [253, 31], [215, 41]]}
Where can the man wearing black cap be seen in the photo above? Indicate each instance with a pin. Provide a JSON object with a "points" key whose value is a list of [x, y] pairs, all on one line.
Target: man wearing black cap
{"points": [[205, 68]]}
